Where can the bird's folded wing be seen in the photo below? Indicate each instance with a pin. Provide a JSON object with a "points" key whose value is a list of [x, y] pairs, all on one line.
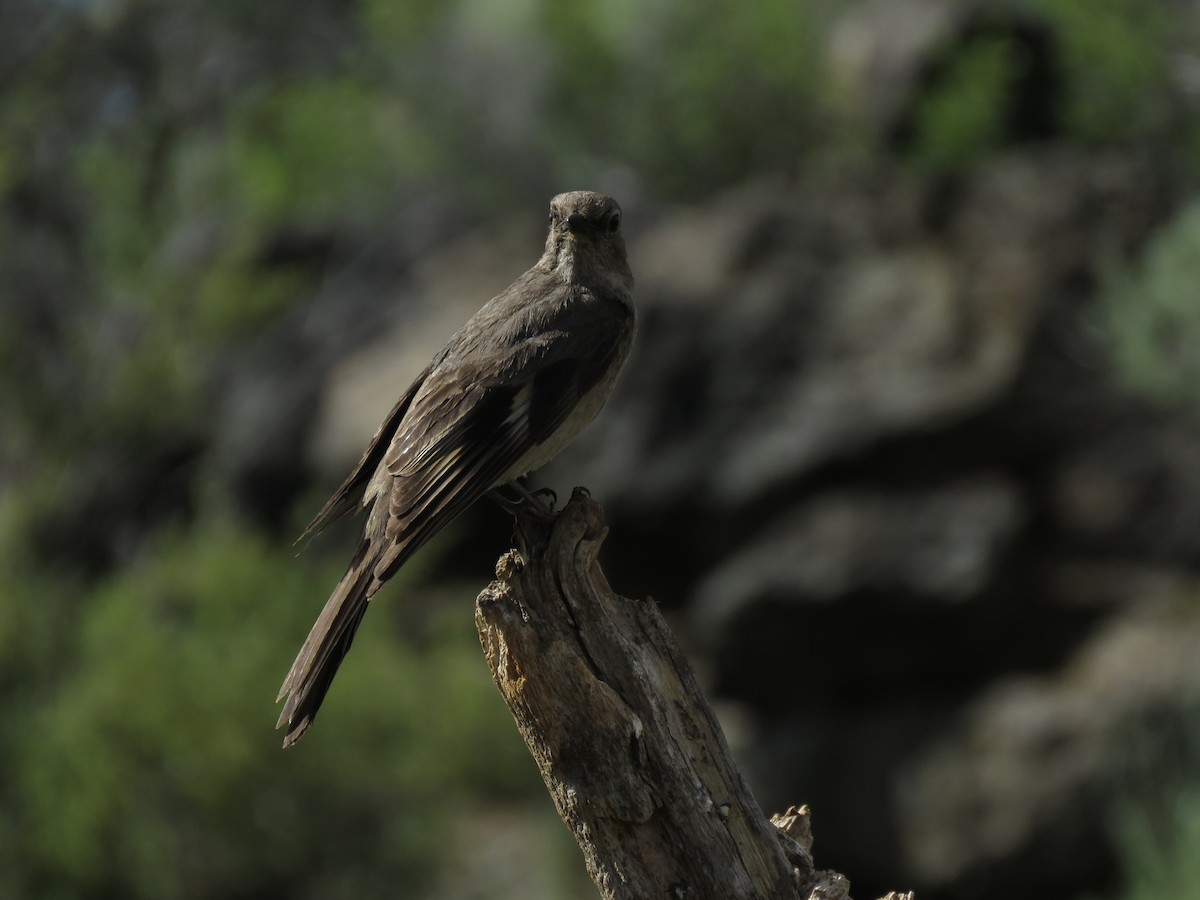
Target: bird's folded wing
{"points": [[468, 429], [346, 497]]}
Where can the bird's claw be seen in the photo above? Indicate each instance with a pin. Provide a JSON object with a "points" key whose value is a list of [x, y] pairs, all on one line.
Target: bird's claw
{"points": [[526, 500], [547, 492]]}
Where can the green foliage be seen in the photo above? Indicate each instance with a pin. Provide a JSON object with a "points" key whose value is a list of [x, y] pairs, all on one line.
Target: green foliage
{"points": [[1116, 64], [1162, 853], [400, 27], [147, 376], [34, 604], [1113, 61], [148, 767], [123, 222], [1151, 318], [688, 97], [325, 150], [235, 296], [963, 117], [709, 93]]}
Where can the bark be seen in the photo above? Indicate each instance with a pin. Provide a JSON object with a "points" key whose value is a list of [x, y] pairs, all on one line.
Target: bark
{"points": [[629, 748]]}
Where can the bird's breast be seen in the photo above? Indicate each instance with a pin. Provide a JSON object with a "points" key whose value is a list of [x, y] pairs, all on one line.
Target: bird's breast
{"points": [[580, 417]]}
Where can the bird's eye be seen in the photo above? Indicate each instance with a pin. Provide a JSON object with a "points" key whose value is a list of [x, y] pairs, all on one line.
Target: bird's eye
{"points": [[614, 223]]}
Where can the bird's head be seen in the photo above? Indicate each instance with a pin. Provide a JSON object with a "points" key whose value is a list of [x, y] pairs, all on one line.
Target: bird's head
{"points": [[585, 237]]}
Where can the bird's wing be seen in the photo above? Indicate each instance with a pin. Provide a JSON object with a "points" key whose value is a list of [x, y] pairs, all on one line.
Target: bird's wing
{"points": [[469, 429], [348, 496]]}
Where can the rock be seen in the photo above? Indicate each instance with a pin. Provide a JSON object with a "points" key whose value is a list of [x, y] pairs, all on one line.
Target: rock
{"points": [[843, 320], [1028, 782], [941, 545], [1134, 493]]}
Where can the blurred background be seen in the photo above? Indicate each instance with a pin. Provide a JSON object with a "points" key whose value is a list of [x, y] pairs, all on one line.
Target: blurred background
{"points": [[909, 448]]}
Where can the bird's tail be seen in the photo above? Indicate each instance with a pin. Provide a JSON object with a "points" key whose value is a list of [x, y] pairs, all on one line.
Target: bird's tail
{"points": [[326, 646]]}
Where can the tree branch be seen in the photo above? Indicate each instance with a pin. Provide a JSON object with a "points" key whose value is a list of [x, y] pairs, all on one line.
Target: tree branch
{"points": [[629, 748]]}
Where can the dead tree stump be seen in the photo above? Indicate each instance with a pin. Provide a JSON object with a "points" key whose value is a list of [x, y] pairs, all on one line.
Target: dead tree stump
{"points": [[629, 748]]}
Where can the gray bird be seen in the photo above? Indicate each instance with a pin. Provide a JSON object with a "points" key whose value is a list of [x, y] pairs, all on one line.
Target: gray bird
{"points": [[513, 387]]}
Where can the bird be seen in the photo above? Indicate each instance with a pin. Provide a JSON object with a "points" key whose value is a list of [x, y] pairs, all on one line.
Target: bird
{"points": [[507, 392]]}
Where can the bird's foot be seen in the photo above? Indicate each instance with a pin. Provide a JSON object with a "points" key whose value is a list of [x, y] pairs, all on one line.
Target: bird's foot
{"points": [[526, 501], [549, 493]]}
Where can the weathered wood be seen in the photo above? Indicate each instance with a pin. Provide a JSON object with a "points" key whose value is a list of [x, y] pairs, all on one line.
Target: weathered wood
{"points": [[629, 748]]}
